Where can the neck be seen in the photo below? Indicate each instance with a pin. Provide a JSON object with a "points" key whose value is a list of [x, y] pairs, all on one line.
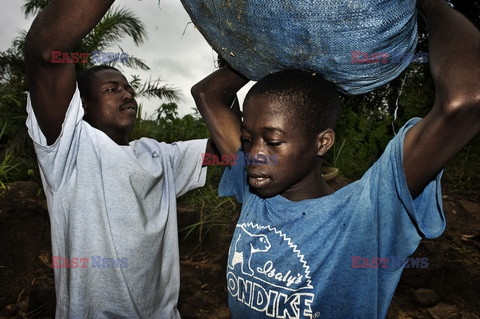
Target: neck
{"points": [[120, 140], [312, 186], [118, 137]]}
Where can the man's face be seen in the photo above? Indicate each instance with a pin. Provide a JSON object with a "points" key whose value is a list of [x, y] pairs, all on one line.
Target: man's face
{"points": [[111, 106], [274, 134]]}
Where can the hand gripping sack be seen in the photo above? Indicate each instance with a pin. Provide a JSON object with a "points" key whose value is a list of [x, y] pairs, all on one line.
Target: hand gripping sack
{"points": [[346, 41]]}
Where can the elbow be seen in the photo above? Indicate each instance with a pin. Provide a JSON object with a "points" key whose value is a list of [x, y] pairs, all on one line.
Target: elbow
{"points": [[200, 95], [464, 108], [35, 48], [463, 103], [196, 91], [30, 49], [459, 94]]}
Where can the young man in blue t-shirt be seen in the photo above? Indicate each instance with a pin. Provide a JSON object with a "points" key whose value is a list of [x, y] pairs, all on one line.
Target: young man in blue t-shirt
{"points": [[301, 249]]}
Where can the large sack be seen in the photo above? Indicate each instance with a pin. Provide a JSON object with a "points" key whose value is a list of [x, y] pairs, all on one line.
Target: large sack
{"points": [[258, 37]]}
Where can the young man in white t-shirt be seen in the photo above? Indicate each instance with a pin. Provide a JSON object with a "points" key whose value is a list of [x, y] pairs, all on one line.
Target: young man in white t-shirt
{"points": [[112, 203]]}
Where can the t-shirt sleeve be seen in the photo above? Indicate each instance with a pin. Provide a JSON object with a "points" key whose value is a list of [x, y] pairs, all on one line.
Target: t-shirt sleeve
{"points": [[57, 161], [186, 158], [402, 220], [234, 180]]}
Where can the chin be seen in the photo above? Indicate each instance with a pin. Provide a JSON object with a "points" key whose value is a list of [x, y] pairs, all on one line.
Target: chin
{"points": [[128, 127], [263, 193]]}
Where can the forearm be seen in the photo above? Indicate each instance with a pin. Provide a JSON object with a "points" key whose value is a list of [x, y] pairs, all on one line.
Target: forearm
{"points": [[61, 26], [214, 96], [454, 53]]}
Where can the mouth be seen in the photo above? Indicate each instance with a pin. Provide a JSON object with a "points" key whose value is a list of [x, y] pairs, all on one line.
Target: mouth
{"points": [[130, 108], [258, 180]]}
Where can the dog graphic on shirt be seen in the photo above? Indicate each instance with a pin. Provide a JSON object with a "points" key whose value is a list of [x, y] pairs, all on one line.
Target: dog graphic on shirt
{"points": [[249, 243]]}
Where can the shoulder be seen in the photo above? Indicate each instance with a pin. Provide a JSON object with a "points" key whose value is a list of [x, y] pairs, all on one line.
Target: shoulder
{"points": [[73, 116]]}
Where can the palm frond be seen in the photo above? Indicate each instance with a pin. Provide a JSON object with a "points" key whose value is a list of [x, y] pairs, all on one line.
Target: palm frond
{"points": [[32, 7], [152, 89], [134, 63], [136, 82], [128, 61], [116, 24]]}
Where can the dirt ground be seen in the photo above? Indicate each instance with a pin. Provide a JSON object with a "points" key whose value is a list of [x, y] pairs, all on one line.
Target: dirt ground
{"points": [[448, 288]]}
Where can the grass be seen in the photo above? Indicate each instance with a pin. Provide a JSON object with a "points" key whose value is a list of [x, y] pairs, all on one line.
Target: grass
{"points": [[8, 168], [216, 214], [468, 255], [462, 173]]}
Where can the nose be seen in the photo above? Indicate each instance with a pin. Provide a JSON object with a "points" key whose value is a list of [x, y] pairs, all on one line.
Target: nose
{"points": [[126, 96], [257, 152]]}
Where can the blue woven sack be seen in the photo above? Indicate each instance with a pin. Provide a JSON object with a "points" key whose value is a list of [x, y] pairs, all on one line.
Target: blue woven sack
{"points": [[349, 42]]}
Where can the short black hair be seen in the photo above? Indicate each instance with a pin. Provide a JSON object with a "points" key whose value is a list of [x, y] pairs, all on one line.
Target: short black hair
{"points": [[85, 78], [314, 101]]}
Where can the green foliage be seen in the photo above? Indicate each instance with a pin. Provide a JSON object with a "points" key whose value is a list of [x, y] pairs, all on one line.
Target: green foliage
{"points": [[13, 99], [362, 133], [153, 89], [462, 173], [168, 127], [12, 168], [116, 24], [8, 169], [217, 214]]}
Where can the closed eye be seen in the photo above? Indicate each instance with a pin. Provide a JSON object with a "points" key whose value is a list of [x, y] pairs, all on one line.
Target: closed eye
{"points": [[245, 139], [274, 143]]}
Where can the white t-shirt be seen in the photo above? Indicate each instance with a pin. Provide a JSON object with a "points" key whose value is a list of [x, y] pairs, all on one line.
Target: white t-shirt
{"points": [[113, 218]]}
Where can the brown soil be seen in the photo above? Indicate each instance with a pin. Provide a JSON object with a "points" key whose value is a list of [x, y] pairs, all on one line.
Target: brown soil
{"points": [[448, 288]]}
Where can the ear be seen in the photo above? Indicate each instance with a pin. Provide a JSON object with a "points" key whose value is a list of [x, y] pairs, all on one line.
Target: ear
{"points": [[325, 140]]}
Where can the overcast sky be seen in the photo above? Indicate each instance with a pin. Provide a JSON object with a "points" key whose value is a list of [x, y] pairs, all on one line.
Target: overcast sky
{"points": [[180, 59]]}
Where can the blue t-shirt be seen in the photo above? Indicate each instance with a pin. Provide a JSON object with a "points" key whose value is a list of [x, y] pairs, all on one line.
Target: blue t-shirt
{"points": [[321, 258]]}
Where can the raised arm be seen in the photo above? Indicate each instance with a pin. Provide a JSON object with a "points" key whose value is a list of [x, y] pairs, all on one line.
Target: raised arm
{"points": [[59, 27], [215, 95], [454, 55]]}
